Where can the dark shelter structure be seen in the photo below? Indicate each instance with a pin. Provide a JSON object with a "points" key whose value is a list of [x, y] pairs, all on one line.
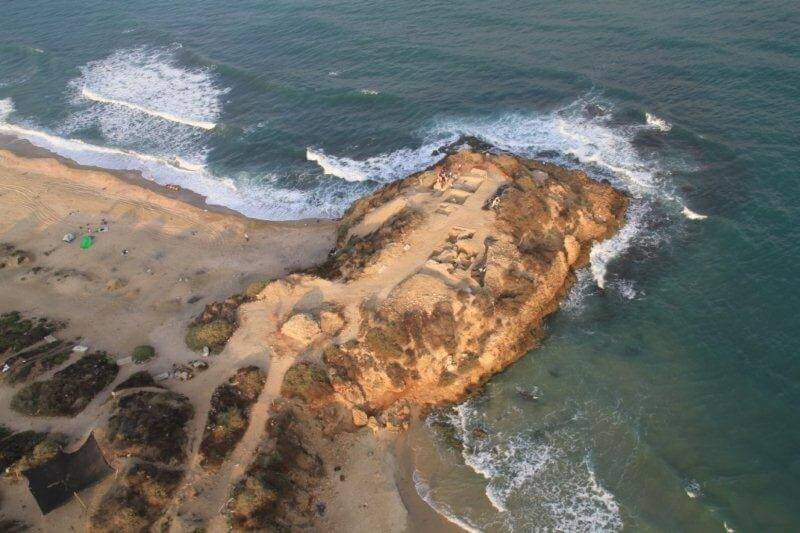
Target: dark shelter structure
{"points": [[54, 483]]}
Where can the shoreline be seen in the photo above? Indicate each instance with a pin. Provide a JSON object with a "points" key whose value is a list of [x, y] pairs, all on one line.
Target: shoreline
{"points": [[25, 148]]}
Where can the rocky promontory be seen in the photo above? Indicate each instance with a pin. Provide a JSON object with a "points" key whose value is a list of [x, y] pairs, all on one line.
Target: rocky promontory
{"points": [[437, 282]]}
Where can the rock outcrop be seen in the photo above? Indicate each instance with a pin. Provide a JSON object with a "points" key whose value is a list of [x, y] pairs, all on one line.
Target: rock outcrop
{"points": [[441, 279]]}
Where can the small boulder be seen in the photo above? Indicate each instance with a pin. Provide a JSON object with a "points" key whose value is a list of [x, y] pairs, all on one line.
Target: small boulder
{"points": [[360, 418], [373, 424], [469, 247], [479, 433], [539, 177], [331, 323], [301, 327], [446, 256]]}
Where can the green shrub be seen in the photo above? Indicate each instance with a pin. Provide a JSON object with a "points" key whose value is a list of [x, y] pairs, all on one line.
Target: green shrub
{"points": [[143, 353], [214, 335], [307, 381]]}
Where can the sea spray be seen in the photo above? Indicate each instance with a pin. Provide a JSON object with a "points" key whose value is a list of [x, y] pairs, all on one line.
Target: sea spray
{"points": [[658, 123]]}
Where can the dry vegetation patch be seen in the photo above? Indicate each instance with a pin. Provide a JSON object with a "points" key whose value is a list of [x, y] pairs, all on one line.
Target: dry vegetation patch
{"points": [[69, 390], [135, 503], [151, 426], [230, 414], [273, 495]]}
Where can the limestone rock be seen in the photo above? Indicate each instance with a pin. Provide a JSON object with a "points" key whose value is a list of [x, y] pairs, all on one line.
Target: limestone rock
{"points": [[539, 177], [360, 418], [573, 249], [330, 323], [301, 327]]}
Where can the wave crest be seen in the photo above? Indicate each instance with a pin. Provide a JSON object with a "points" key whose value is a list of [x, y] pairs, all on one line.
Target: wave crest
{"points": [[91, 95]]}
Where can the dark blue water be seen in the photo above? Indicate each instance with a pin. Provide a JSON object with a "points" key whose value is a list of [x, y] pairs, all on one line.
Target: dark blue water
{"points": [[668, 398]]}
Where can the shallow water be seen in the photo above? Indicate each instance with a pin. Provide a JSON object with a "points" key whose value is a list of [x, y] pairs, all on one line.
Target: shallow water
{"points": [[668, 398]]}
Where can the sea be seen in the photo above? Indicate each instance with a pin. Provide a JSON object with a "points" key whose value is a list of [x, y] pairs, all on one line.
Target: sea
{"points": [[665, 396]]}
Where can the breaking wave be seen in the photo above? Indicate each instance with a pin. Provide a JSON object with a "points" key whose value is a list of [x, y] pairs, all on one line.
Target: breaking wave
{"points": [[143, 99], [91, 95], [380, 168], [6, 108], [150, 81], [691, 215], [658, 123], [533, 481]]}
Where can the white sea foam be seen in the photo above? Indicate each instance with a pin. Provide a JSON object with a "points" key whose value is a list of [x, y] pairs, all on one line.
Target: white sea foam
{"points": [[558, 492], [425, 492], [91, 95], [658, 123], [143, 99], [691, 215], [626, 288], [381, 168], [602, 253], [6, 108], [693, 489], [576, 298], [150, 81]]}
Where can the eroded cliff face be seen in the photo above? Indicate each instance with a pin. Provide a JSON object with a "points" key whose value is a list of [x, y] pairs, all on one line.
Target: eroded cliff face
{"points": [[442, 279]]}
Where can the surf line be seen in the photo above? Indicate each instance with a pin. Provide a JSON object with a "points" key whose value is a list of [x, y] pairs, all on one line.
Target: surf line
{"points": [[91, 95], [66, 147]]}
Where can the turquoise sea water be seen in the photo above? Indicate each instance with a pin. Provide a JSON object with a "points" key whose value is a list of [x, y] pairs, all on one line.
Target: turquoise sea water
{"points": [[668, 398]]}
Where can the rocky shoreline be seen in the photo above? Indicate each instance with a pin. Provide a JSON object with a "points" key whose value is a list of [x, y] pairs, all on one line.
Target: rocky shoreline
{"points": [[435, 283]]}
